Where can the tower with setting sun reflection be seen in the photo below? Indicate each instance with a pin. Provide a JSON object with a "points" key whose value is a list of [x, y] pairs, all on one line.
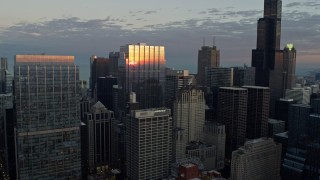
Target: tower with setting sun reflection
{"points": [[144, 73]]}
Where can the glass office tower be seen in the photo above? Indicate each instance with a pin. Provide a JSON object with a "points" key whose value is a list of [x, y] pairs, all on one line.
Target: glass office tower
{"points": [[47, 94], [144, 73]]}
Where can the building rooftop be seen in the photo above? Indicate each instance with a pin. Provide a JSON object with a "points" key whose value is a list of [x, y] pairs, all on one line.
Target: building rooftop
{"points": [[44, 59], [233, 88], [275, 121], [189, 165], [198, 145], [256, 87], [283, 134], [286, 100]]}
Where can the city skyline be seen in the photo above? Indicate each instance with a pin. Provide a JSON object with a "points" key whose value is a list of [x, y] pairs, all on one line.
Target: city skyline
{"points": [[97, 28]]}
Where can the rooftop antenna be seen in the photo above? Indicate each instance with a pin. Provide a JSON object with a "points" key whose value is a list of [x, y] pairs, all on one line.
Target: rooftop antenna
{"points": [[204, 41]]}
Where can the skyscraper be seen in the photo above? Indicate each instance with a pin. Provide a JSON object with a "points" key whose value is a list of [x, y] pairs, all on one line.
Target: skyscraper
{"points": [[267, 58], [98, 68], [5, 77], [3, 63], [144, 73], [257, 111], [244, 76], [219, 77], [104, 91], [188, 119], [289, 66], [149, 140], [257, 159], [208, 57], [47, 95], [232, 112], [282, 110], [98, 123], [175, 80]]}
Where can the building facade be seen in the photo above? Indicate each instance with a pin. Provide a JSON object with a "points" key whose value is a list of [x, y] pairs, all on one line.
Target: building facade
{"points": [[257, 159], [105, 91], [149, 143], [208, 57], [98, 123], [215, 134], [257, 111], [175, 80], [144, 73], [47, 95], [275, 127], [244, 76], [289, 66], [219, 77], [5, 77], [188, 120], [232, 112], [300, 95]]}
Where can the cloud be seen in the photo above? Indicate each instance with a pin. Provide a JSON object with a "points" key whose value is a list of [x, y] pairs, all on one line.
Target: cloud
{"points": [[293, 4], [235, 33], [311, 4], [150, 12]]}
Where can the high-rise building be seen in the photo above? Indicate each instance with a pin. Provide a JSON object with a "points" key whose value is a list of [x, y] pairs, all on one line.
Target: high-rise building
{"points": [[303, 152], [98, 123], [243, 76], [3, 63], [219, 77], [289, 66], [282, 110], [232, 112], [188, 120], [104, 91], [300, 95], [149, 143], [297, 125], [264, 57], [175, 80], [98, 68], [275, 68], [7, 123], [207, 153], [144, 73], [215, 78], [114, 60], [275, 127], [5, 77], [6, 101], [47, 95], [208, 57], [257, 159], [257, 111], [215, 134]]}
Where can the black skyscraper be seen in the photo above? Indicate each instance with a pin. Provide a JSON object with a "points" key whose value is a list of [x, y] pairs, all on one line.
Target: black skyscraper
{"points": [[267, 58], [268, 41], [104, 91]]}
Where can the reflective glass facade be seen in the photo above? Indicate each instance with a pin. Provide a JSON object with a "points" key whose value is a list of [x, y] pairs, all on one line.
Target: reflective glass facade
{"points": [[47, 95], [145, 73]]}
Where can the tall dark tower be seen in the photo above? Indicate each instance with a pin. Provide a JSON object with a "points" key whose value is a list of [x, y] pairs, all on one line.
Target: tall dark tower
{"points": [[267, 58], [268, 41]]}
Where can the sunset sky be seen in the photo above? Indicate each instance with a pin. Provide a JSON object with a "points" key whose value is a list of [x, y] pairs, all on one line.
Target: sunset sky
{"points": [[83, 28]]}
